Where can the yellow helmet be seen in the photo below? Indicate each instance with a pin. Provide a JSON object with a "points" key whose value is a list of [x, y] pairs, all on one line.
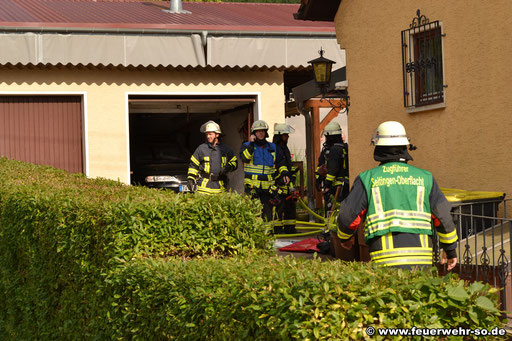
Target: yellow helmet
{"points": [[259, 125], [210, 126], [390, 133], [333, 128]]}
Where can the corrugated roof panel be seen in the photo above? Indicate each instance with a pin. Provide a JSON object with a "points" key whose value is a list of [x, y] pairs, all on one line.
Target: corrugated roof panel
{"points": [[140, 14]]}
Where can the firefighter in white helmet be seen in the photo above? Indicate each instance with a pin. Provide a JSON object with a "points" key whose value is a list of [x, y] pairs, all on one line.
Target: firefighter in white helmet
{"points": [[332, 170], [398, 204], [287, 207], [259, 157], [211, 162]]}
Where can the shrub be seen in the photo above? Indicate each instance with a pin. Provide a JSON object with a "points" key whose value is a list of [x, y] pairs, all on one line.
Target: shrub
{"points": [[60, 232], [272, 298]]}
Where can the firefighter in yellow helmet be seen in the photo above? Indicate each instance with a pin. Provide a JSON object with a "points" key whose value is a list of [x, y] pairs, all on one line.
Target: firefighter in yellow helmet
{"points": [[211, 162], [332, 170], [398, 204], [287, 194], [259, 158]]}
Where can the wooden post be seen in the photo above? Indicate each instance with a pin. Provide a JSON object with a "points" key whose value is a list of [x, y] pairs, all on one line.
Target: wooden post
{"points": [[317, 127]]}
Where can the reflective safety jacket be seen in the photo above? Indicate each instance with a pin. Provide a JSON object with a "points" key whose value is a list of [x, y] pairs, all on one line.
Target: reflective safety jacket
{"points": [[259, 164], [335, 158], [397, 202], [284, 168], [206, 164]]}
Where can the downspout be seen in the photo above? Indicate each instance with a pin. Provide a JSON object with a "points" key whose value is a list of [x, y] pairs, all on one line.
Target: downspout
{"points": [[310, 163]]}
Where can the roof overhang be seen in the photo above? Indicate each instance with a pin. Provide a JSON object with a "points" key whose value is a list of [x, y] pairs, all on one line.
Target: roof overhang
{"points": [[317, 10]]}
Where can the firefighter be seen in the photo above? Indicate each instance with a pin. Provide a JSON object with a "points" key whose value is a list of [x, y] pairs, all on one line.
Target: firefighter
{"points": [[286, 211], [211, 162], [259, 157], [332, 171], [398, 203]]}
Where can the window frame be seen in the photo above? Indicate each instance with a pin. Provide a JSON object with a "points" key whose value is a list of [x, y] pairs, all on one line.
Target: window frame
{"points": [[423, 65]]}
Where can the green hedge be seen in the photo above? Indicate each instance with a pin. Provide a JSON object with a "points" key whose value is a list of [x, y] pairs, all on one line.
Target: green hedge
{"points": [[94, 259], [265, 298], [60, 232]]}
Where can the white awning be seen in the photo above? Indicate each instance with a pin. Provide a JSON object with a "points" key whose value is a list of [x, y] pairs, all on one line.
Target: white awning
{"points": [[271, 51], [170, 50], [96, 49]]}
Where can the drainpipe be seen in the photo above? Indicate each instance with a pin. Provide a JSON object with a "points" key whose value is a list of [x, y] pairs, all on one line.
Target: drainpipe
{"points": [[309, 156]]}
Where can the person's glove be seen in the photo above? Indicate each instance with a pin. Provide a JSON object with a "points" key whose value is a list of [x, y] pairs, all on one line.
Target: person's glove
{"points": [[191, 184], [224, 171]]}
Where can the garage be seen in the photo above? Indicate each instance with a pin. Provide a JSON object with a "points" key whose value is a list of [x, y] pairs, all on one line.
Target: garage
{"points": [[165, 131], [45, 130]]}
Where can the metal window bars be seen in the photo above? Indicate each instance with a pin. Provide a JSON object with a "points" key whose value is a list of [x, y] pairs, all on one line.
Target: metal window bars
{"points": [[484, 247], [422, 62]]}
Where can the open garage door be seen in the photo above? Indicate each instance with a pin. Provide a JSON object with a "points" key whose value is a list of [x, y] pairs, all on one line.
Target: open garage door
{"points": [[44, 130], [164, 132]]}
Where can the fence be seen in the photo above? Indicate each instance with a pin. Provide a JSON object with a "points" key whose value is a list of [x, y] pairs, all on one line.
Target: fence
{"points": [[483, 250]]}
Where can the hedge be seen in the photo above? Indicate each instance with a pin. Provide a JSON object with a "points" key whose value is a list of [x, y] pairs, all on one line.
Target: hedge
{"points": [[60, 232], [94, 259], [274, 298]]}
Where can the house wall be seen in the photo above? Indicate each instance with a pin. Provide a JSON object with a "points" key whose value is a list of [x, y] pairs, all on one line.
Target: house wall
{"points": [[465, 145], [106, 100]]}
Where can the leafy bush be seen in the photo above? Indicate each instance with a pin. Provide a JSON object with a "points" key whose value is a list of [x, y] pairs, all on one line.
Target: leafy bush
{"points": [[59, 232], [260, 297]]}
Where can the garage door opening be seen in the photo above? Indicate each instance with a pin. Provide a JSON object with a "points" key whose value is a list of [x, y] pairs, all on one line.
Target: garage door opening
{"points": [[164, 133]]}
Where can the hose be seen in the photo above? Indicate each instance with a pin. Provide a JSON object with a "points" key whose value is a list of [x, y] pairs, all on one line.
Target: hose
{"points": [[316, 215]]}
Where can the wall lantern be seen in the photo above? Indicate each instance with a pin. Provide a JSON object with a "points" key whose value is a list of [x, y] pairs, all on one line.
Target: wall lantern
{"points": [[322, 68]]}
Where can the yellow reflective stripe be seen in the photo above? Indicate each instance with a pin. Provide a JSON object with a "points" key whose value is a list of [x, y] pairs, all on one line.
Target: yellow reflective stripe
{"points": [[330, 177], [422, 240], [258, 183], [259, 169], [223, 161], [247, 155], [233, 161], [400, 214], [420, 194], [206, 160], [390, 241], [206, 190], [283, 169], [448, 238], [400, 223], [278, 223], [343, 235], [412, 260], [401, 252], [193, 171], [289, 222], [377, 201], [194, 160], [383, 241]]}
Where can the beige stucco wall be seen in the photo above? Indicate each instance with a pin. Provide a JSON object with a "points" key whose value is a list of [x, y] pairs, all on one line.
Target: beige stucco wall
{"points": [[106, 100], [466, 144]]}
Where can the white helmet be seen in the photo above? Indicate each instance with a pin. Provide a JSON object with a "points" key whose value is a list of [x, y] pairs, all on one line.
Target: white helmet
{"points": [[210, 126], [283, 128], [333, 128], [390, 133], [259, 125]]}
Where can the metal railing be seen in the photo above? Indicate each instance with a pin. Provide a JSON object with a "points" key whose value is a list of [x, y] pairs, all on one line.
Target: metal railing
{"points": [[483, 250]]}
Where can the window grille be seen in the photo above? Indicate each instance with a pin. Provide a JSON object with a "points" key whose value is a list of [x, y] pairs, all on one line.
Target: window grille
{"points": [[422, 62]]}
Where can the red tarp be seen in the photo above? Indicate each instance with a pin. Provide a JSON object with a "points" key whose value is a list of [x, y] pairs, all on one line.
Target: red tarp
{"points": [[306, 245]]}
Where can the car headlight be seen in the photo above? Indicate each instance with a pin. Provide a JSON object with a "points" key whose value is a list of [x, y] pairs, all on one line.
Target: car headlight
{"points": [[162, 178]]}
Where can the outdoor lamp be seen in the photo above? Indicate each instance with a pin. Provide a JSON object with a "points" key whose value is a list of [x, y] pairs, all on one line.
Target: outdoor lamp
{"points": [[322, 69]]}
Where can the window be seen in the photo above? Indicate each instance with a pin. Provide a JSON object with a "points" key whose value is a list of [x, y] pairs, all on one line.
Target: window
{"points": [[422, 63]]}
